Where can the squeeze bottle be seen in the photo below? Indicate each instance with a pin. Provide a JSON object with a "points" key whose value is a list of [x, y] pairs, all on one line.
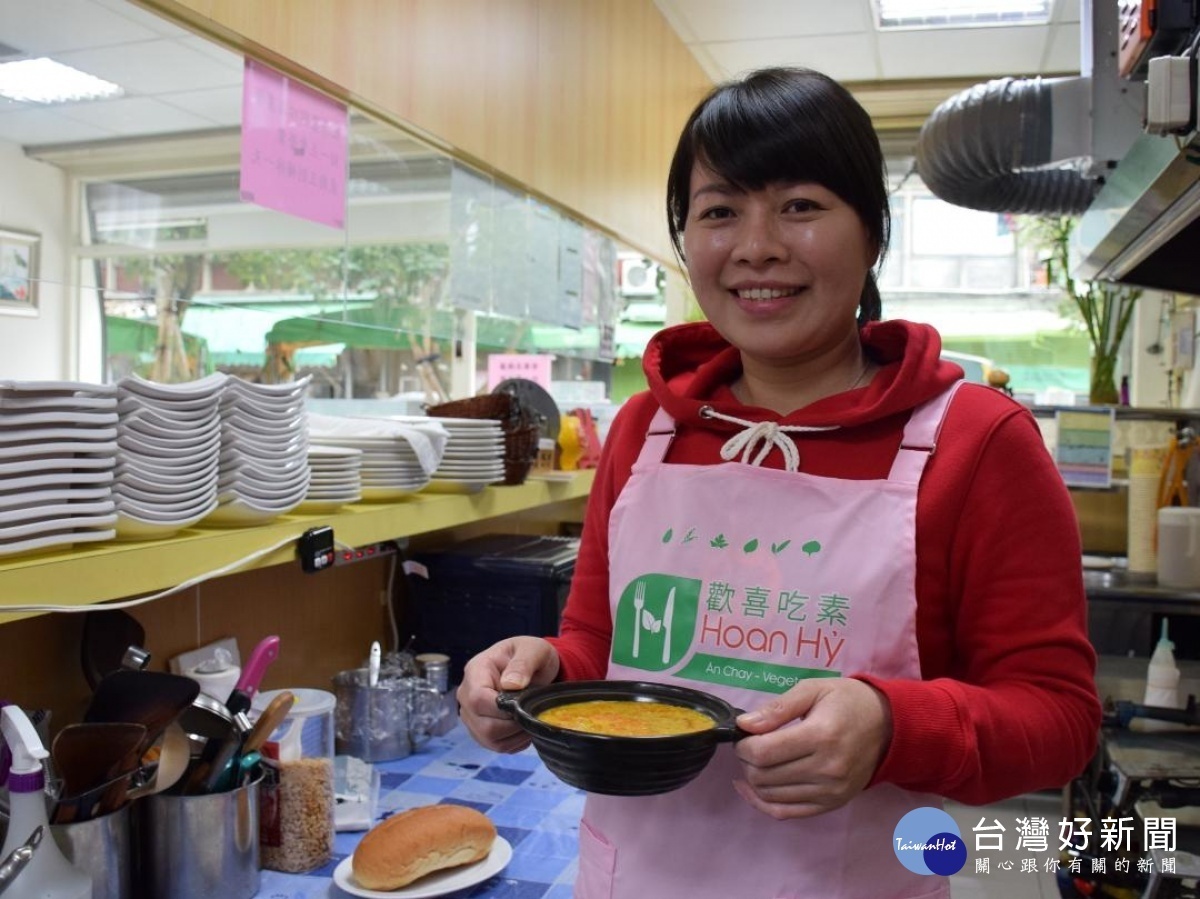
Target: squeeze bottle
{"points": [[1162, 681], [48, 875]]}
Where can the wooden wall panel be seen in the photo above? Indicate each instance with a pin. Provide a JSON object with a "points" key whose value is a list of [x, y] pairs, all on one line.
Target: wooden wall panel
{"points": [[578, 101]]}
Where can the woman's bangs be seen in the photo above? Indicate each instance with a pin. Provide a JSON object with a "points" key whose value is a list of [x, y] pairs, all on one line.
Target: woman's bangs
{"points": [[751, 150]]}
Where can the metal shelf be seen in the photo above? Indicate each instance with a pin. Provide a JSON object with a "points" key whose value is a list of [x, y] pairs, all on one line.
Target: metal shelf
{"points": [[97, 573]]}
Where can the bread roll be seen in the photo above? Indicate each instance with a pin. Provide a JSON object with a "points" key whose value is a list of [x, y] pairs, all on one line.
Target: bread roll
{"points": [[411, 844]]}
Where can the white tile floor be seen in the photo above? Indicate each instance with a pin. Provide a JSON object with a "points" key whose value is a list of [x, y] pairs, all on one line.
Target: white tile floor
{"points": [[998, 883]]}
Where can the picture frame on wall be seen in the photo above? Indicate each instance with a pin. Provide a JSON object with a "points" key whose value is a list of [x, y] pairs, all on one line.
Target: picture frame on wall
{"points": [[18, 272]]}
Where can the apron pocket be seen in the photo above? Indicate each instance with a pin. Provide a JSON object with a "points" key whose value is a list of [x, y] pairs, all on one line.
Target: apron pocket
{"points": [[597, 862]]}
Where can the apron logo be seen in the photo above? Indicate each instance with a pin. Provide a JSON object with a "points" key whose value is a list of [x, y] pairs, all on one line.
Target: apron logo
{"points": [[656, 617], [927, 841], [720, 541]]}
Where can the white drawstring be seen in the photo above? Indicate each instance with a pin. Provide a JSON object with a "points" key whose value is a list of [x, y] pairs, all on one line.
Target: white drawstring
{"points": [[761, 436]]}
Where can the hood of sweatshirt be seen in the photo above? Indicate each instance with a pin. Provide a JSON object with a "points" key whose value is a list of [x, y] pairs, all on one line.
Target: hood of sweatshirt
{"points": [[691, 366]]}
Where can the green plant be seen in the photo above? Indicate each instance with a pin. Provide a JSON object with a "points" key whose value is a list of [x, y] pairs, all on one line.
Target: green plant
{"points": [[1106, 308]]}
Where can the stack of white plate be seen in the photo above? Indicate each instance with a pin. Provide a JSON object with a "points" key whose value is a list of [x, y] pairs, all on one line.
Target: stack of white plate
{"points": [[474, 456], [57, 454], [167, 440], [398, 457], [334, 478], [264, 452]]}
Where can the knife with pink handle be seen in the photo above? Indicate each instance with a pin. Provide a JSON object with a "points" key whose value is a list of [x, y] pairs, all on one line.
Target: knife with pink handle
{"points": [[266, 652]]}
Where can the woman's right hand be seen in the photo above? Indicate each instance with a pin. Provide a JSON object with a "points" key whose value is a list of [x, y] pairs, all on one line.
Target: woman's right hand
{"points": [[510, 665]]}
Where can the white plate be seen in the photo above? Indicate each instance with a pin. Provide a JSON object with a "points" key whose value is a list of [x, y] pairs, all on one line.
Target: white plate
{"points": [[56, 463], [63, 540], [188, 390], [55, 481], [334, 452], [9, 501], [47, 403], [55, 511], [32, 435], [83, 388], [60, 448], [237, 513], [57, 419], [12, 532], [168, 414], [132, 527], [437, 884]]}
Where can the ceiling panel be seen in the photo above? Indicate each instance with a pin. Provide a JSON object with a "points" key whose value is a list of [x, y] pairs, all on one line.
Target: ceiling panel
{"points": [[847, 57], [42, 27], [197, 82], [129, 116], [705, 21], [956, 53], [176, 67], [44, 126]]}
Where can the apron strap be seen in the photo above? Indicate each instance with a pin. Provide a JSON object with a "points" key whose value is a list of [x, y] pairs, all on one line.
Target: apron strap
{"points": [[920, 437], [916, 445], [658, 438]]}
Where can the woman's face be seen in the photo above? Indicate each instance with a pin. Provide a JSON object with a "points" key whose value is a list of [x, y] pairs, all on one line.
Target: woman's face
{"points": [[779, 271]]}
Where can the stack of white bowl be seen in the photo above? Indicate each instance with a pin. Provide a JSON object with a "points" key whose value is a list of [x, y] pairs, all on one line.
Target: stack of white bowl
{"points": [[57, 454], [335, 478], [264, 452], [167, 440], [399, 454]]}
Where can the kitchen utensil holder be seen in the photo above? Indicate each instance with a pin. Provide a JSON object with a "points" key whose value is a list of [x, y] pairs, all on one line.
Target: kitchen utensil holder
{"points": [[197, 847]]}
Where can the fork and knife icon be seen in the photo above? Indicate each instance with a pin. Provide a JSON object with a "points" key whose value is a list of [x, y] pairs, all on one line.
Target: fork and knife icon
{"points": [[644, 620]]}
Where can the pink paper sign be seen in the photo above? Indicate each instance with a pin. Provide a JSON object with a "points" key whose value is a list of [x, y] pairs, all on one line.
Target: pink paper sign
{"points": [[531, 366], [294, 147]]}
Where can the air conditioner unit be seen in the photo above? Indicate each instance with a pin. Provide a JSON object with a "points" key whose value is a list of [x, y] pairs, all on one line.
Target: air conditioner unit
{"points": [[638, 277]]}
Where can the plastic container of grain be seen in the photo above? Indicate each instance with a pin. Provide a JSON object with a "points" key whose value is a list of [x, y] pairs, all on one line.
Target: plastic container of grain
{"points": [[296, 828]]}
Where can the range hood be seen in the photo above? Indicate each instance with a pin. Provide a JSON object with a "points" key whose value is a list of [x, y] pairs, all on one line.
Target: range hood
{"points": [[1143, 228], [1080, 147]]}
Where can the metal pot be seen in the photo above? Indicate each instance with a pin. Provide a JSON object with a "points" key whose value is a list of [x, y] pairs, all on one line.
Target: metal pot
{"points": [[621, 766]]}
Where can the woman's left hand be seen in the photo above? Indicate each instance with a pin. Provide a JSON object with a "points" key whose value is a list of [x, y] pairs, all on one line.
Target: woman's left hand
{"points": [[814, 748]]}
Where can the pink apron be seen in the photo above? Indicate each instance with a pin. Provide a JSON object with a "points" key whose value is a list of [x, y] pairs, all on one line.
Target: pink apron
{"points": [[740, 580]]}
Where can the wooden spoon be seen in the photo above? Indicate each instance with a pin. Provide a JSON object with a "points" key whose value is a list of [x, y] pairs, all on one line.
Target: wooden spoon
{"points": [[174, 754]]}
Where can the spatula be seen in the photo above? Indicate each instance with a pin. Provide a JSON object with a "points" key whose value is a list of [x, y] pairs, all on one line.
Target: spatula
{"points": [[151, 698], [92, 754]]}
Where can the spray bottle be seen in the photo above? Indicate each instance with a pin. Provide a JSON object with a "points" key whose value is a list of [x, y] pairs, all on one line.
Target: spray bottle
{"points": [[48, 875]]}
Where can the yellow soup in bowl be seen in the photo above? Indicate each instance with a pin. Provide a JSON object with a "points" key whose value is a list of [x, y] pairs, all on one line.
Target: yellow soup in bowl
{"points": [[627, 718]]}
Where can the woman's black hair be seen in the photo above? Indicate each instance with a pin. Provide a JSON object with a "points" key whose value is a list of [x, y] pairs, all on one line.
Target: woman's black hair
{"points": [[786, 125]]}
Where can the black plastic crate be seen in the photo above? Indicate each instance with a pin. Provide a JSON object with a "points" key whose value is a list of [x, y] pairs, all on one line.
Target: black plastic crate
{"points": [[479, 591]]}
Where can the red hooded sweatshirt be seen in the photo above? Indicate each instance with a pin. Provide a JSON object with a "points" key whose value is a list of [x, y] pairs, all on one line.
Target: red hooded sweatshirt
{"points": [[1006, 703]]}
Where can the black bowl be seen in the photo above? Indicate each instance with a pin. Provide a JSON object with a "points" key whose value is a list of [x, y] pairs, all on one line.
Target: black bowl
{"points": [[621, 766]]}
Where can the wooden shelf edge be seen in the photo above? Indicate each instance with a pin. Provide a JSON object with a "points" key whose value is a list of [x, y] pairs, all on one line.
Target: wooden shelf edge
{"points": [[102, 572]]}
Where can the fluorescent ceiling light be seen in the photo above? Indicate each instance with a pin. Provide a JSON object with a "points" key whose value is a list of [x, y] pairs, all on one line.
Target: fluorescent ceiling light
{"points": [[960, 13], [43, 80]]}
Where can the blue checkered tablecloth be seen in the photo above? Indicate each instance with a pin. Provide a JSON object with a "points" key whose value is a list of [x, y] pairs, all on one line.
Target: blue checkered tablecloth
{"points": [[537, 813]]}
